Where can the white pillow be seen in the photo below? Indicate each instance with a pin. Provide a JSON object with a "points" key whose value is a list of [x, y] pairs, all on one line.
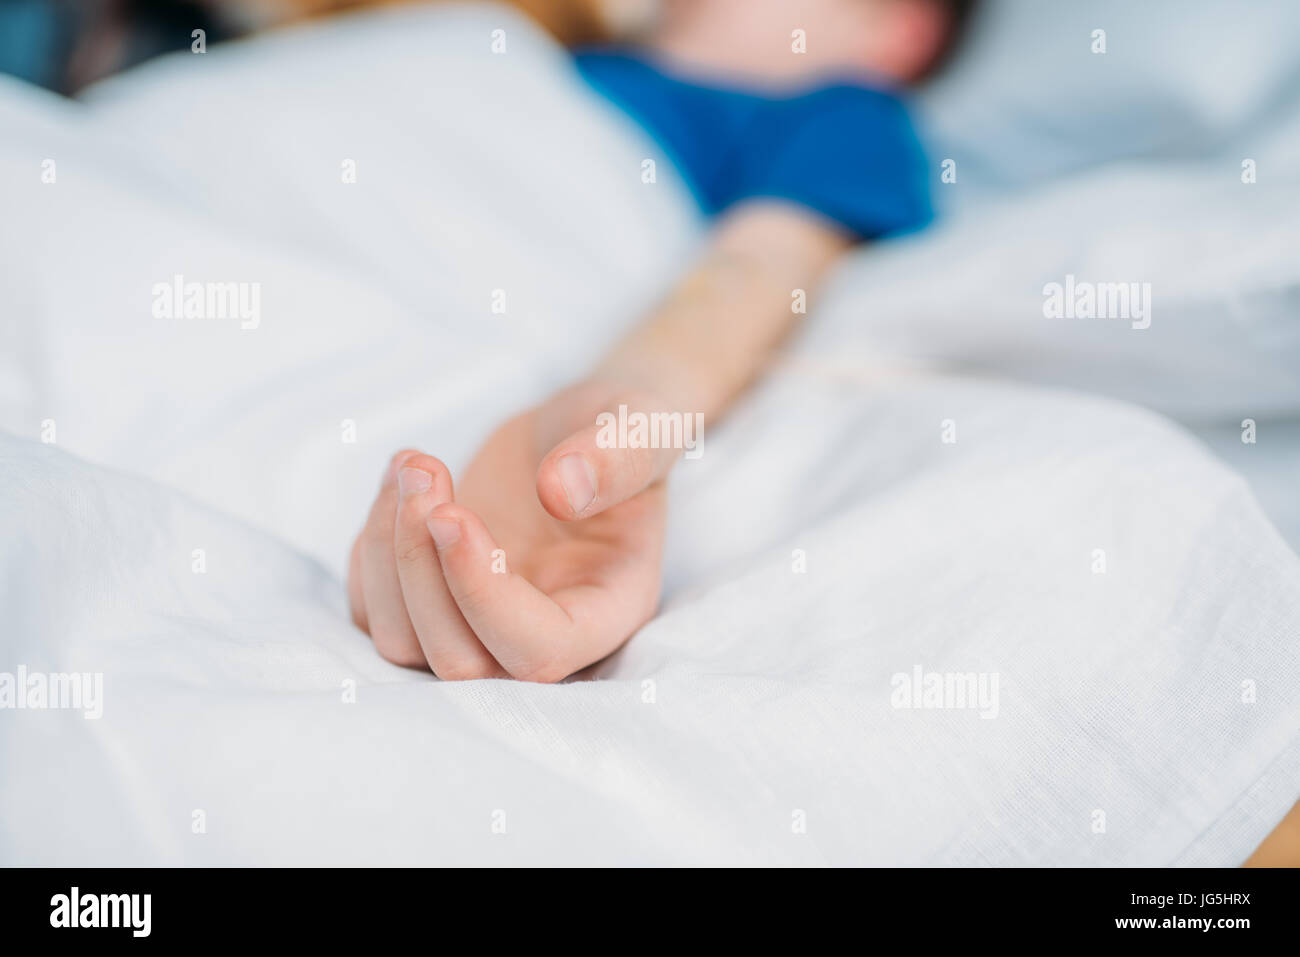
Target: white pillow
{"points": [[1027, 98], [1223, 342]]}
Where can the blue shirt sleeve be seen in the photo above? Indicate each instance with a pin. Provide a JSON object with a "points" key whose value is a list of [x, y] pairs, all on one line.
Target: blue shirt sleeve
{"points": [[846, 151]]}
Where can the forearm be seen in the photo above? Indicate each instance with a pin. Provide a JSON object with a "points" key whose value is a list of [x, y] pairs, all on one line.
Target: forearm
{"points": [[714, 334], [720, 327]]}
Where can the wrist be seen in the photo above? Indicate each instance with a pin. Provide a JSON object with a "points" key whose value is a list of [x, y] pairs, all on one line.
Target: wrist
{"points": [[577, 406], [616, 408]]}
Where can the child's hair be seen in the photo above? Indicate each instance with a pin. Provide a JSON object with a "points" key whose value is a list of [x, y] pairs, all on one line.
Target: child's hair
{"points": [[959, 16], [572, 22]]}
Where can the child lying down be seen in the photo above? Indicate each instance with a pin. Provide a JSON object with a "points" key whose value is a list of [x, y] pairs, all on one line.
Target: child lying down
{"points": [[544, 556]]}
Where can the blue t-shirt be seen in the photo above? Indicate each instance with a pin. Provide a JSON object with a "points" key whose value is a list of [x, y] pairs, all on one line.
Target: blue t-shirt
{"points": [[844, 150]]}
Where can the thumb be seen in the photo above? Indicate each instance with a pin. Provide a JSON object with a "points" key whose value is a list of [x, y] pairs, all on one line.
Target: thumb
{"points": [[596, 467]]}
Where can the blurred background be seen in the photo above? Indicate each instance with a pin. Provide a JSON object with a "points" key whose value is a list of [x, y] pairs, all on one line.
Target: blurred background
{"points": [[64, 45]]}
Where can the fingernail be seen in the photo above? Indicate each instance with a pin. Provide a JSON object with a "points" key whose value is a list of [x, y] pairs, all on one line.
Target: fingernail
{"points": [[578, 480], [444, 531], [390, 473], [413, 481]]}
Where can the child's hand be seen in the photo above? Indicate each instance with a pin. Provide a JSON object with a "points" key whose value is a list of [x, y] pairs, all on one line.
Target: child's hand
{"points": [[577, 568], [527, 571]]}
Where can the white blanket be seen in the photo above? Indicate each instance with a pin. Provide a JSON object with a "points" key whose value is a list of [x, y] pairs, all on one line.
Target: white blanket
{"points": [[1138, 611]]}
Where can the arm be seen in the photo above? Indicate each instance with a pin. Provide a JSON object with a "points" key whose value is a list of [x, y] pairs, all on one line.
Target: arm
{"points": [[1282, 847], [698, 351], [721, 326], [545, 556]]}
